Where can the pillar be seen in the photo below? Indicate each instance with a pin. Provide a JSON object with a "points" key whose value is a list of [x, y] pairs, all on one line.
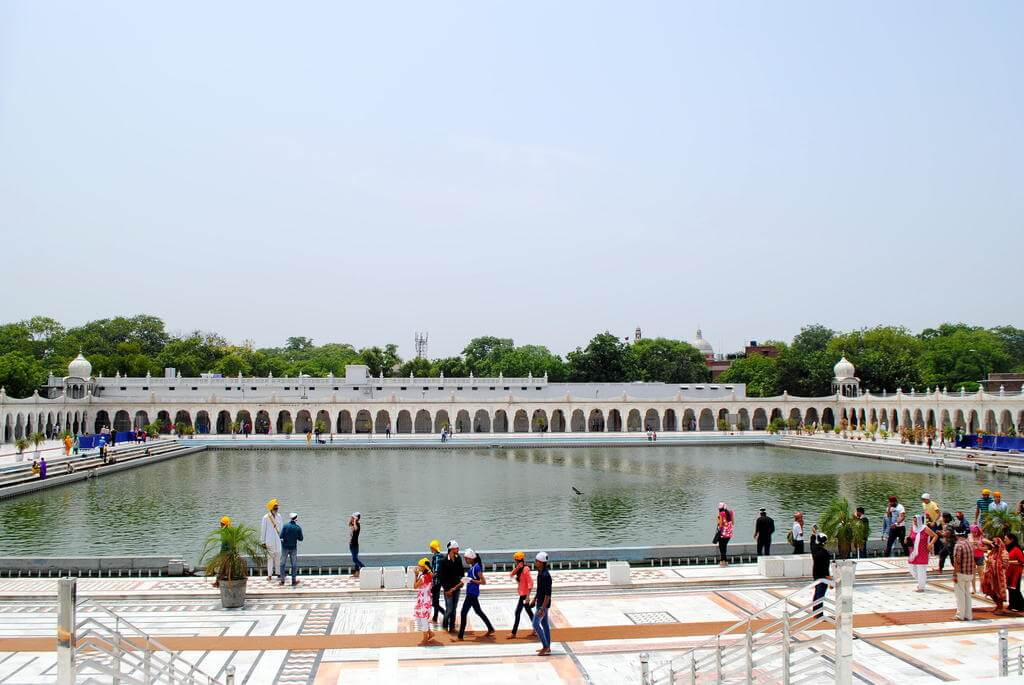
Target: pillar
{"points": [[67, 595], [845, 573]]}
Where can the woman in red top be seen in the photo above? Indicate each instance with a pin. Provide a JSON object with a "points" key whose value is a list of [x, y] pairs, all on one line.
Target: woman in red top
{"points": [[521, 572], [1014, 569], [993, 578]]}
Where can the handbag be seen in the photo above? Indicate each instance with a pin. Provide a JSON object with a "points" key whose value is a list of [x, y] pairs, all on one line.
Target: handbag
{"points": [[718, 536]]}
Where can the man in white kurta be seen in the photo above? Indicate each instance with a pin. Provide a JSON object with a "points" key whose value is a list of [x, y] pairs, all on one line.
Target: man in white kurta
{"points": [[270, 537]]}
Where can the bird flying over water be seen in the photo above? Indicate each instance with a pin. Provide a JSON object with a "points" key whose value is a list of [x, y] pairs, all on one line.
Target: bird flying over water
{"points": [[575, 490]]}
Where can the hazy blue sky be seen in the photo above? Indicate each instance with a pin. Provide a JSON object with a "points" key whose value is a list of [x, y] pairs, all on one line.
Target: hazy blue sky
{"points": [[542, 171]]}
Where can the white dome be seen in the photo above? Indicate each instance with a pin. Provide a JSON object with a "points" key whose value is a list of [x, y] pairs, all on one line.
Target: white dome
{"points": [[844, 369], [703, 345], [80, 367]]}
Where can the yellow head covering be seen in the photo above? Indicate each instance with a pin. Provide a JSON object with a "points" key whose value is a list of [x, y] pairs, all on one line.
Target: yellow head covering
{"points": [[435, 545], [271, 504], [225, 520], [518, 556], [424, 562]]}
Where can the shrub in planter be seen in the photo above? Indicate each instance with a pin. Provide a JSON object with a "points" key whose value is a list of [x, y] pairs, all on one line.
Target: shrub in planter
{"points": [[224, 556], [723, 425]]}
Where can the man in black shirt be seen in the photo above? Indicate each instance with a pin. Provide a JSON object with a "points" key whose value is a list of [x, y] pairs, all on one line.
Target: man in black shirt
{"points": [[764, 526], [452, 571], [821, 569], [542, 602], [862, 551]]}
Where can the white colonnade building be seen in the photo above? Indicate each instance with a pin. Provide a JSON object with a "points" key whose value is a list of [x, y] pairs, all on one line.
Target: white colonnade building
{"points": [[360, 403]]}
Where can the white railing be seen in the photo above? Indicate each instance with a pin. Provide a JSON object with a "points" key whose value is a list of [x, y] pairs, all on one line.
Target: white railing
{"points": [[788, 641], [1011, 661], [104, 647]]}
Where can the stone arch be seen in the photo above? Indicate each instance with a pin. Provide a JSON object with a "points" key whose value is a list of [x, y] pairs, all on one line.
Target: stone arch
{"points": [[344, 421], [723, 415], [8, 429], [463, 424], [202, 422], [794, 413], [363, 422], [49, 423], [811, 417], [244, 419], [1005, 422], [652, 421], [973, 424], [19, 427], [990, 421], [760, 420], [422, 424], [873, 417], [944, 419], [776, 414], [670, 424], [284, 416], [323, 417], [122, 422], [223, 421], [101, 422], [501, 421], [441, 420], [706, 422], [539, 421], [689, 421], [520, 422], [262, 423], [743, 419], [481, 421], [595, 422], [383, 421], [183, 417], [906, 419], [918, 419], [894, 421], [303, 422], [614, 421], [633, 421], [929, 418], [403, 422], [578, 422], [557, 421]]}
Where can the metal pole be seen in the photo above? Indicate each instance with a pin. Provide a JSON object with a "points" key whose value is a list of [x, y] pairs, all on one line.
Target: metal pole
{"points": [[1004, 656], [67, 593], [231, 675], [845, 572], [718, 656], [785, 645], [693, 668], [645, 671], [750, 656]]}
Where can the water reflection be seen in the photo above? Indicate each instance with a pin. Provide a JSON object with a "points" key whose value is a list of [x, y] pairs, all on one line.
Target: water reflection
{"points": [[501, 498]]}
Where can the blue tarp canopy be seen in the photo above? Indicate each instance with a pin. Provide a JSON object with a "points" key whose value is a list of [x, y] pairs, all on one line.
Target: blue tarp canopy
{"points": [[999, 443]]}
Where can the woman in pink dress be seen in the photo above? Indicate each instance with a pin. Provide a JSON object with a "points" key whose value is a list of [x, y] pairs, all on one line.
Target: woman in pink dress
{"points": [[424, 601], [723, 532], [919, 542]]}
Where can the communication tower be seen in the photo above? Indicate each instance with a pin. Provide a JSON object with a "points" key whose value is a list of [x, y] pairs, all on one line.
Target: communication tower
{"points": [[637, 335], [421, 345]]}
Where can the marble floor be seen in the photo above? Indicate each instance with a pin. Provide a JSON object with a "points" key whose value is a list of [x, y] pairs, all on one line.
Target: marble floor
{"points": [[331, 632]]}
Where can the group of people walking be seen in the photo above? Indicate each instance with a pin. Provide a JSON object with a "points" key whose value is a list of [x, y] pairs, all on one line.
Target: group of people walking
{"points": [[447, 573]]}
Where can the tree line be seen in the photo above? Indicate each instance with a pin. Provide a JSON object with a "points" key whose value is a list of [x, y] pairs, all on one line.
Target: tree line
{"points": [[886, 357]]}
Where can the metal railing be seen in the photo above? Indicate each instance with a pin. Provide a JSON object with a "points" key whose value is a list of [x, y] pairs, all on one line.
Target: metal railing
{"points": [[788, 641], [1011, 661], [104, 647]]}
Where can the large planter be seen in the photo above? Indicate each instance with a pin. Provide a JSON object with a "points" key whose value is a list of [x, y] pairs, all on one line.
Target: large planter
{"points": [[232, 593]]}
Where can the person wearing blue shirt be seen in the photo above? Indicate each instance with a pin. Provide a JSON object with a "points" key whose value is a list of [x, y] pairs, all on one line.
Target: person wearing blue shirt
{"points": [[291, 535], [474, 579]]}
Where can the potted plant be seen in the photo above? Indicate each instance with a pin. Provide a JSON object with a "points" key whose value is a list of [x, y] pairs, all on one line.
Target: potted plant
{"points": [[224, 556], [1000, 522], [723, 425], [233, 427], [826, 428], [21, 444], [845, 532], [37, 439], [286, 428]]}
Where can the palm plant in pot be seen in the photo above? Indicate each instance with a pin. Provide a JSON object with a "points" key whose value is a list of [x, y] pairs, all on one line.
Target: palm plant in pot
{"points": [[37, 439], [224, 556], [845, 531], [21, 444], [999, 522]]}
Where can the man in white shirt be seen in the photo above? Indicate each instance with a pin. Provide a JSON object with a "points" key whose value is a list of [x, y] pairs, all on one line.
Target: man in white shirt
{"points": [[898, 528], [270, 538], [997, 502]]}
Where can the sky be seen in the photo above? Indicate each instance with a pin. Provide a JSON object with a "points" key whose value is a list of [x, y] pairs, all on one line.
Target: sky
{"points": [[542, 171]]}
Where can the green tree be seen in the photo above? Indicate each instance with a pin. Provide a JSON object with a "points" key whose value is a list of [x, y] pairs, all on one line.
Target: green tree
{"points": [[451, 367], [805, 365], [483, 355], [955, 355], [605, 359], [418, 366], [760, 373], [522, 361], [1013, 344], [299, 343], [669, 361], [886, 357], [380, 360], [20, 374]]}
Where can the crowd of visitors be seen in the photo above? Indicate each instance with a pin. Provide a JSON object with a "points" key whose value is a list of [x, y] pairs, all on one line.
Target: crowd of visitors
{"points": [[443, 574]]}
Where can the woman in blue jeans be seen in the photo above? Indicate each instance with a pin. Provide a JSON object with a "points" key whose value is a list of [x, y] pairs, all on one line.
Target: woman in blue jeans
{"points": [[354, 527]]}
